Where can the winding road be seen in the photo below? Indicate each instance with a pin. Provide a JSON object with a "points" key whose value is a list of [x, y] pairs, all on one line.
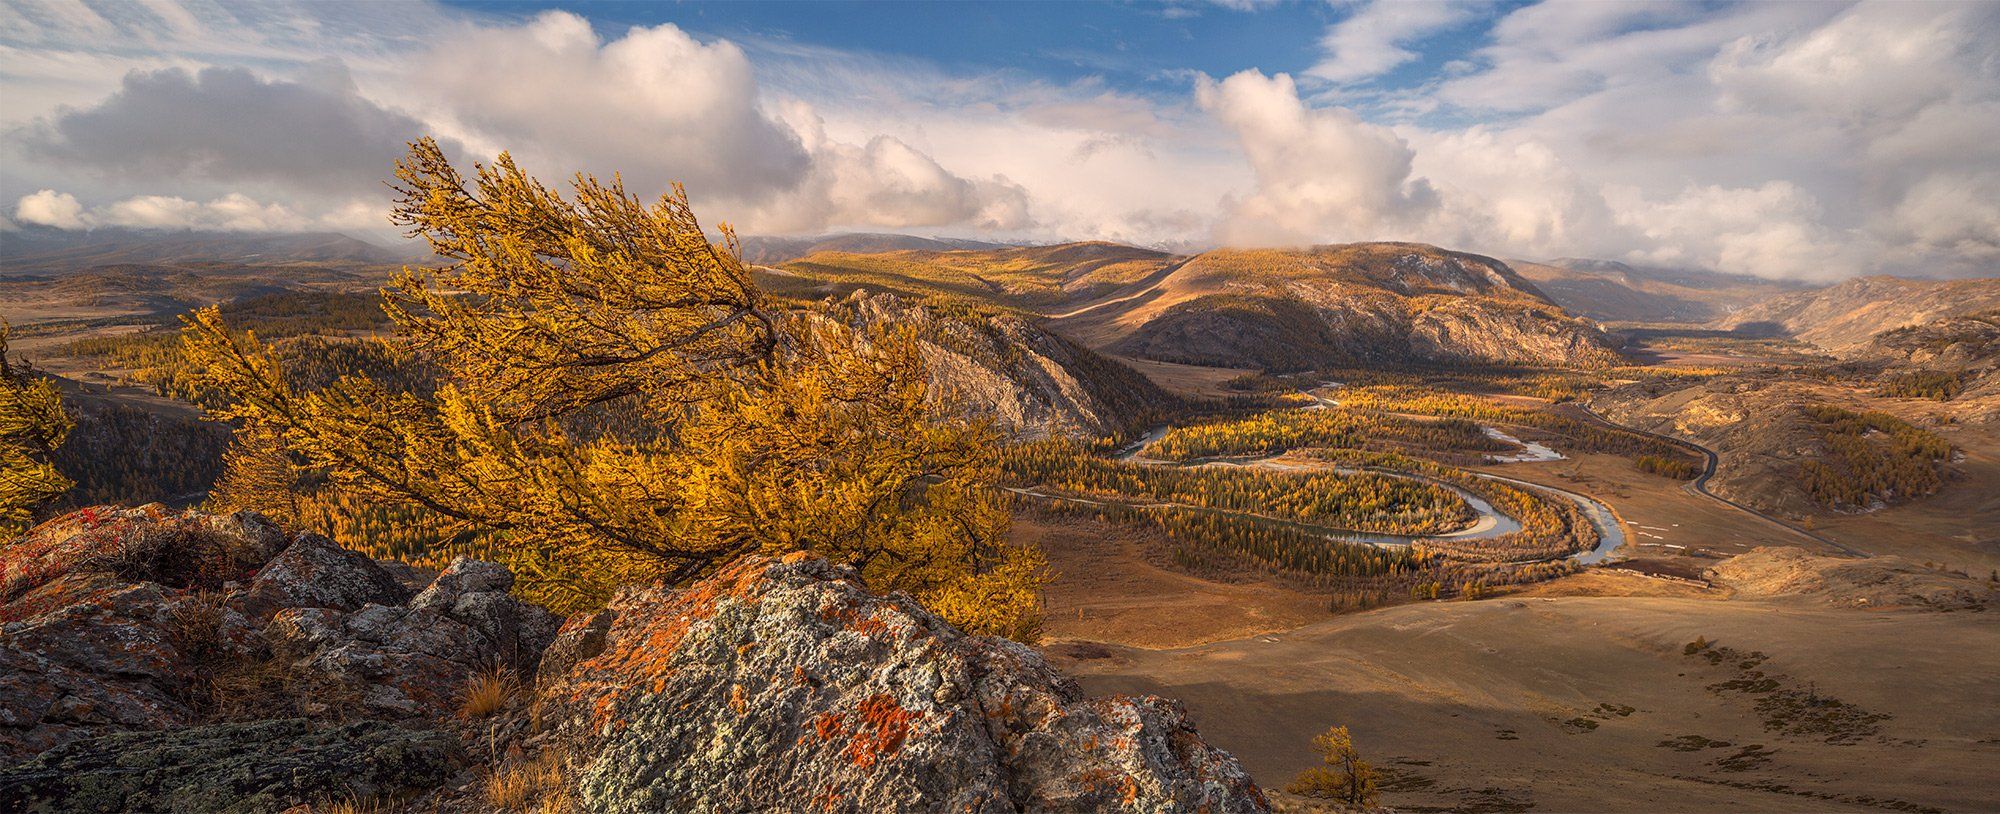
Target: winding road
{"points": [[1699, 485]]}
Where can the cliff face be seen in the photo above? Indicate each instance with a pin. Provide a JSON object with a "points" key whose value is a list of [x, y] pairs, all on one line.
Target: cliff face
{"points": [[1032, 383], [1368, 303], [787, 686]]}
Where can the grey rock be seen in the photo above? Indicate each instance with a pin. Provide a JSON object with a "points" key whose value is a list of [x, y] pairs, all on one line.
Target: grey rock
{"points": [[313, 572], [265, 766], [787, 686]]}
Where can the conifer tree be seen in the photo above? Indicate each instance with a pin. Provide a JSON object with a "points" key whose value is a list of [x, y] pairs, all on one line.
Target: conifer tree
{"points": [[1344, 777], [32, 425], [617, 401]]}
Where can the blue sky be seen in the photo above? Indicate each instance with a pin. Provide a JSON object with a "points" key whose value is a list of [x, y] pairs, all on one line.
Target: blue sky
{"points": [[1134, 46], [1797, 140]]}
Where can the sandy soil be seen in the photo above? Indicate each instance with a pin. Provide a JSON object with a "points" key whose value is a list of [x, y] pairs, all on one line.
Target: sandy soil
{"points": [[1563, 703], [1106, 589], [1186, 380]]}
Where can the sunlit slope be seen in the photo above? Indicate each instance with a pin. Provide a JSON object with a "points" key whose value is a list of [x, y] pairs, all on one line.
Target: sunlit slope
{"points": [[1031, 278], [1376, 303], [1271, 309]]}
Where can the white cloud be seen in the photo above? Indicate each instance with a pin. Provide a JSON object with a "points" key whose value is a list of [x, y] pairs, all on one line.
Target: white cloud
{"points": [[50, 208], [1815, 140], [1370, 42], [227, 124], [657, 106], [1322, 175], [234, 212]]}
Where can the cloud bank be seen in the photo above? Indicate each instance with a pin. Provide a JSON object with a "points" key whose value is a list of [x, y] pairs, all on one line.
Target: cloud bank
{"points": [[1788, 140]]}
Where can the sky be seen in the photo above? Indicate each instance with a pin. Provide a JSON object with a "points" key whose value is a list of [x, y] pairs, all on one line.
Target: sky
{"points": [[1810, 141]]}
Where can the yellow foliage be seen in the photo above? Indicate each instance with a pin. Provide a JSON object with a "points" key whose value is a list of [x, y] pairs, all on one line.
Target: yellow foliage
{"points": [[32, 425], [1344, 777], [617, 402]]}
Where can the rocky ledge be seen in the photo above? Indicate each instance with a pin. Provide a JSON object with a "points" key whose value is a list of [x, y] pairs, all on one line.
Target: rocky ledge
{"points": [[144, 619], [149, 658], [784, 685]]}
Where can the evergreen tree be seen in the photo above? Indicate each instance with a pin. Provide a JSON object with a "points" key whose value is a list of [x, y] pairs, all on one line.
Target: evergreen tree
{"points": [[617, 401], [1345, 777], [32, 425]]}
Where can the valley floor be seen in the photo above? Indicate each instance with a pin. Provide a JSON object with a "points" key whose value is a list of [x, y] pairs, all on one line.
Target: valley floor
{"points": [[1589, 703]]}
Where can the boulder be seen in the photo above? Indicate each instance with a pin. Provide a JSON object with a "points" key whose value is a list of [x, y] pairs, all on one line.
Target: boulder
{"points": [[314, 572], [417, 659], [146, 544], [785, 685], [122, 619], [263, 766]]}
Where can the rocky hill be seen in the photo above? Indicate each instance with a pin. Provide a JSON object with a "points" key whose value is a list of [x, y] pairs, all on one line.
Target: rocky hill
{"points": [[154, 661], [1365, 303], [1614, 291], [1844, 318], [1033, 383]]}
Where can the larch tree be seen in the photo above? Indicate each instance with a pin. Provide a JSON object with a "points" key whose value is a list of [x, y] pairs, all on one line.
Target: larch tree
{"points": [[32, 425], [1344, 776], [617, 401]]}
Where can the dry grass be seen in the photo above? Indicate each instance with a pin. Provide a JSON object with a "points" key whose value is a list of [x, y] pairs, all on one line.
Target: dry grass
{"points": [[490, 692], [536, 785]]}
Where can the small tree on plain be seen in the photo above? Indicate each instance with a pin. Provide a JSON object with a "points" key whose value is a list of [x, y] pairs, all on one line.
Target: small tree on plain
{"points": [[1345, 777]]}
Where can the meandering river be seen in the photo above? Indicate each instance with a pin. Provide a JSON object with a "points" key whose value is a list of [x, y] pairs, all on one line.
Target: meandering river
{"points": [[1489, 522]]}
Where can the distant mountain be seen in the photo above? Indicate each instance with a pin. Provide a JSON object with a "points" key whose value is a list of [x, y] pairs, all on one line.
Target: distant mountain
{"points": [[1610, 290], [44, 251], [768, 251], [1364, 303], [1361, 303], [1842, 319]]}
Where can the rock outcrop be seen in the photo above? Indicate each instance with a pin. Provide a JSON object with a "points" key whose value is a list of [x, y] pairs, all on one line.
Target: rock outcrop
{"points": [[1032, 383], [125, 619], [774, 685], [787, 686], [227, 768]]}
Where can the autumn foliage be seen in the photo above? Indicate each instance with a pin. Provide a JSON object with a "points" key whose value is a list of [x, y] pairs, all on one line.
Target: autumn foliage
{"points": [[32, 425], [615, 400]]}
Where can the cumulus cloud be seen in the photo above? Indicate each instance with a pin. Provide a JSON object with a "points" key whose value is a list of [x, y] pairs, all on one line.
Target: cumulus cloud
{"points": [[227, 124], [1322, 175], [50, 208], [657, 106], [1371, 41], [1796, 141], [1807, 140]]}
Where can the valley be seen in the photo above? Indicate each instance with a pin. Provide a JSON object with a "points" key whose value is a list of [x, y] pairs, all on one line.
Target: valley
{"points": [[1390, 486]]}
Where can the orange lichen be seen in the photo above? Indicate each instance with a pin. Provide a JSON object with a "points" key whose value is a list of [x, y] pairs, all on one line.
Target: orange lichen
{"points": [[829, 725], [739, 702], [883, 728]]}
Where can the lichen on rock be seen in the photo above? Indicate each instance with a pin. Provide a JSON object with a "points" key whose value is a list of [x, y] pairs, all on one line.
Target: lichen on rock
{"points": [[781, 685]]}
